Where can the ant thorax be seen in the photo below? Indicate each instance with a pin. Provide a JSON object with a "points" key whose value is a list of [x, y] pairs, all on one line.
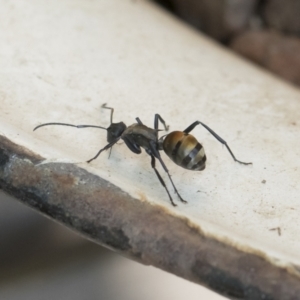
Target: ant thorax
{"points": [[140, 135]]}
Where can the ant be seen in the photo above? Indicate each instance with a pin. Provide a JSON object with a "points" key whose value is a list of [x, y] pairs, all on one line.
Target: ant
{"points": [[182, 147]]}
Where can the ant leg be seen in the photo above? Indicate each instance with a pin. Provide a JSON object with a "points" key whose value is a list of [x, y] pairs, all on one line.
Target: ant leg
{"points": [[111, 111], [105, 148], [160, 179], [192, 126], [157, 155], [110, 152], [139, 121], [66, 124], [157, 118]]}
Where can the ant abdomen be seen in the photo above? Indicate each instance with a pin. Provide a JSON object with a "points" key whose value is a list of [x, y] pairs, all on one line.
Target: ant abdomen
{"points": [[184, 150]]}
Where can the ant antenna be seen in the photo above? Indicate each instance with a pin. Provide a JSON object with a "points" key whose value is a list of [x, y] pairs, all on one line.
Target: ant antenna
{"points": [[66, 124], [114, 131], [80, 126], [111, 111]]}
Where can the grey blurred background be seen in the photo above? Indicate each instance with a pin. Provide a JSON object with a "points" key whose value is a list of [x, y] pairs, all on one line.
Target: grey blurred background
{"points": [[266, 32], [43, 260]]}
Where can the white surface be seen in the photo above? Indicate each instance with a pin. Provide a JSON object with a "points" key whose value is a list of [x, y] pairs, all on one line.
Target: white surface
{"points": [[60, 60]]}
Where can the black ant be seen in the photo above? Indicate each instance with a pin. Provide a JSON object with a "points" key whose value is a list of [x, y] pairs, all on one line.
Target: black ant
{"points": [[181, 147]]}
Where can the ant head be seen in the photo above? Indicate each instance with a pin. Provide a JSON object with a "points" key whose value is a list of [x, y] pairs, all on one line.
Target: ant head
{"points": [[115, 130]]}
